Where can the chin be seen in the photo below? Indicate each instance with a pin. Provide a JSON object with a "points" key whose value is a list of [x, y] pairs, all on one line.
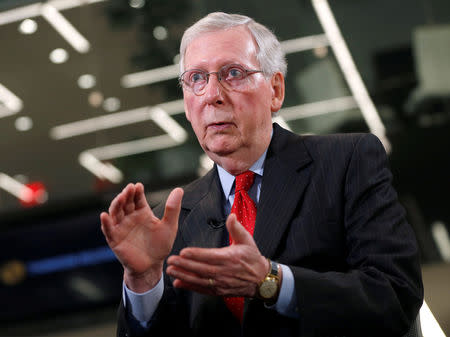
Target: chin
{"points": [[221, 147]]}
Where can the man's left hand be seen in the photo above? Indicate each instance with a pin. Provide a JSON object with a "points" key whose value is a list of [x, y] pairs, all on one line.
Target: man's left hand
{"points": [[235, 270]]}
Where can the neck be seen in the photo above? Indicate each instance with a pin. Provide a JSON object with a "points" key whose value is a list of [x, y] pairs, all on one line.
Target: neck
{"points": [[236, 165]]}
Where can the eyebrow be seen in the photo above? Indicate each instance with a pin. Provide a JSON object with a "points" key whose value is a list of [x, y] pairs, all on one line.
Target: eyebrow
{"points": [[202, 65]]}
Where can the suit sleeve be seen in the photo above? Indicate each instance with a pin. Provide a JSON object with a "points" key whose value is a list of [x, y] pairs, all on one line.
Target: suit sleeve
{"points": [[382, 288]]}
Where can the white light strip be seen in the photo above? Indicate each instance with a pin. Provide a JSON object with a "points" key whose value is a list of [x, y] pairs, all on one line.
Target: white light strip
{"points": [[173, 107], [150, 76], [124, 149], [304, 43], [11, 101], [206, 164], [30, 11], [430, 327], [15, 188], [350, 71], [100, 123], [101, 170], [168, 124], [318, 108], [442, 239], [282, 122], [65, 28], [86, 288], [169, 72], [67, 4], [91, 159], [112, 120], [19, 14], [4, 111]]}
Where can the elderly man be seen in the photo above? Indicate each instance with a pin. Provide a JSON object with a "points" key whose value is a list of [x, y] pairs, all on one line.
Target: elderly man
{"points": [[286, 236]]}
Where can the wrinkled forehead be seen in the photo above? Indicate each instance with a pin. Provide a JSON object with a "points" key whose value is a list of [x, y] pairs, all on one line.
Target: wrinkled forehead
{"points": [[232, 45]]}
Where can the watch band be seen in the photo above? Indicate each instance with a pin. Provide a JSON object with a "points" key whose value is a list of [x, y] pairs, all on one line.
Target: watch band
{"points": [[273, 268]]}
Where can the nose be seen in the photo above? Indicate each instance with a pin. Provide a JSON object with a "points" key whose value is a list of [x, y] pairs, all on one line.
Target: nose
{"points": [[213, 92]]}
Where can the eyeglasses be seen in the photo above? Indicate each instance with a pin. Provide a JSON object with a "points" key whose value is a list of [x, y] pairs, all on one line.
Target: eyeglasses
{"points": [[231, 76]]}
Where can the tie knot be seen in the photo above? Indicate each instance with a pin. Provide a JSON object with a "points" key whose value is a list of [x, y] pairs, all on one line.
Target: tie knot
{"points": [[244, 181]]}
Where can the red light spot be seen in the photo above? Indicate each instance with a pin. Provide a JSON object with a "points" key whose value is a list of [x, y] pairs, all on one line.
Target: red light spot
{"points": [[34, 194]]}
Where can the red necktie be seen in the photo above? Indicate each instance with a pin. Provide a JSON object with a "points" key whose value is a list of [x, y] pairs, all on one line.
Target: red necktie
{"points": [[245, 210]]}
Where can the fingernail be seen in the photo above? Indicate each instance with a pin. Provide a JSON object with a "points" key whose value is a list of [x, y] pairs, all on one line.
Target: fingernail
{"points": [[185, 254]]}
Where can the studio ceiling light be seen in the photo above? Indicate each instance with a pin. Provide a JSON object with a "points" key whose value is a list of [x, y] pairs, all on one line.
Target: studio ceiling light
{"points": [[318, 108], [11, 102], [23, 123], [15, 187], [58, 56], [86, 81], [150, 76], [304, 43], [92, 159], [113, 120], [65, 28], [28, 26], [351, 73], [34, 10]]}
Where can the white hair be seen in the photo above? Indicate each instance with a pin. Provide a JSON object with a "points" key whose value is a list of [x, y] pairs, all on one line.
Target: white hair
{"points": [[269, 54]]}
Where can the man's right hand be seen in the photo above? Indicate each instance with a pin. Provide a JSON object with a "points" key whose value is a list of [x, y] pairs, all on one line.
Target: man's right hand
{"points": [[138, 238]]}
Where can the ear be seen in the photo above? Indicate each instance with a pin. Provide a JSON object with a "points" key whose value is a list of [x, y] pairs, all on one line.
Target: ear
{"points": [[277, 83], [186, 111]]}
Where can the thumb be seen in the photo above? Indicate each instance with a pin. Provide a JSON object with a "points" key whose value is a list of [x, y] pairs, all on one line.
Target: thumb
{"points": [[238, 233], [173, 206]]}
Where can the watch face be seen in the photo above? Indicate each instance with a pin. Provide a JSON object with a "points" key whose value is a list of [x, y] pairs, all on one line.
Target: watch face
{"points": [[268, 288]]}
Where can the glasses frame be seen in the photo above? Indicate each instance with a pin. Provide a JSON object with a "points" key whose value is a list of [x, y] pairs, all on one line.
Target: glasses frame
{"points": [[246, 72]]}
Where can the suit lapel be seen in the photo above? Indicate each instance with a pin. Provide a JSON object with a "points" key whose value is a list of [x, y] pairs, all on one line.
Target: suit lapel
{"points": [[204, 226], [286, 175]]}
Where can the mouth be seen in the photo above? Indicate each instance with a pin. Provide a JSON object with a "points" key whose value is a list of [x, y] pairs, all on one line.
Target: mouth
{"points": [[220, 125]]}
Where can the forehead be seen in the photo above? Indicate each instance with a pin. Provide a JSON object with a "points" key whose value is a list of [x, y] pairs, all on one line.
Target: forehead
{"points": [[214, 49]]}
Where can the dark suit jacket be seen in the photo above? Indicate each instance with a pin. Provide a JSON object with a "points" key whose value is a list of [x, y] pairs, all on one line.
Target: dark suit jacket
{"points": [[327, 210]]}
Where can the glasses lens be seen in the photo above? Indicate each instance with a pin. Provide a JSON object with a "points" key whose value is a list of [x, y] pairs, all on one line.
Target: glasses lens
{"points": [[234, 75], [194, 79]]}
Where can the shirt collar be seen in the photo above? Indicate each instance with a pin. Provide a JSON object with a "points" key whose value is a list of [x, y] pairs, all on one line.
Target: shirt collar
{"points": [[227, 179]]}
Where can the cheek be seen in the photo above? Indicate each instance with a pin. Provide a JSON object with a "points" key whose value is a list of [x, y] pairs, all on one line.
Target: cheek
{"points": [[188, 107]]}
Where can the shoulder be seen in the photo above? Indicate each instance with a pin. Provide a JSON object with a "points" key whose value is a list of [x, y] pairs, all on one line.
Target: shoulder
{"points": [[341, 143], [325, 152], [284, 138]]}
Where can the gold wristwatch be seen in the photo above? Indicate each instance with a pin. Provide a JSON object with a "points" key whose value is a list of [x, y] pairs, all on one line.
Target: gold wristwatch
{"points": [[269, 288]]}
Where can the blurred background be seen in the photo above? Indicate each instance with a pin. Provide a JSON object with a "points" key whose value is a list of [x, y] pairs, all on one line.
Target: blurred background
{"points": [[89, 101]]}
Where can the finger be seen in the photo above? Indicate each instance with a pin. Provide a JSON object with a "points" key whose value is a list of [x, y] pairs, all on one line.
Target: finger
{"points": [[227, 284], [107, 225], [129, 205], [238, 232], [207, 290], [187, 276], [216, 256], [214, 286], [203, 270], [173, 206], [139, 197], [116, 210], [106, 219]]}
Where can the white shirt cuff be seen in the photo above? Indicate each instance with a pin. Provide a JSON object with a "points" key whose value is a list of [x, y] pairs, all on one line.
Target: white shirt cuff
{"points": [[143, 306], [286, 304]]}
